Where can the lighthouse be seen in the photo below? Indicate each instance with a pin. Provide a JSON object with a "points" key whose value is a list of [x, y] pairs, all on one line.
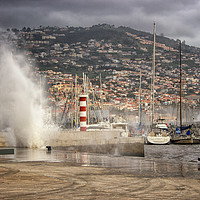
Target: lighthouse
{"points": [[83, 99]]}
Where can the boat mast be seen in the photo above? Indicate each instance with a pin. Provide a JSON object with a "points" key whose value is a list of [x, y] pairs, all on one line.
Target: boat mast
{"points": [[153, 71], [101, 99], [72, 99], [76, 106], [140, 113], [180, 85], [88, 105], [84, 80]]}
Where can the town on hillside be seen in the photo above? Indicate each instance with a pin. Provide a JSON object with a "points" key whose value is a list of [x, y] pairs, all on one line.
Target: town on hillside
{"points": [[111, 60]]}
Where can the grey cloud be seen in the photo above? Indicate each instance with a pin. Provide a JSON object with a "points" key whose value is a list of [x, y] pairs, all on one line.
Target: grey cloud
{"points": [[174, 18]]}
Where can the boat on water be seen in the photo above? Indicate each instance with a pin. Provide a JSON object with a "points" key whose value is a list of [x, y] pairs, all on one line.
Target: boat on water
{"points": [[159, 130], [158, 139], [120, 126], [184, 134], [159, 133]]}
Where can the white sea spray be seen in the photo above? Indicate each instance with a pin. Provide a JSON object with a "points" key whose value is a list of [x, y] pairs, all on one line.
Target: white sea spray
{"points": [[23, 117]]}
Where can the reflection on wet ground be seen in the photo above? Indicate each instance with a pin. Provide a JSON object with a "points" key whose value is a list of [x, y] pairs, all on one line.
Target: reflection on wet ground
{"points": [[159, 160]]}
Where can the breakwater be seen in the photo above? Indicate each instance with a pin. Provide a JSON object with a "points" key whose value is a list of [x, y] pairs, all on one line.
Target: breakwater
{"points": [[110, 142]]}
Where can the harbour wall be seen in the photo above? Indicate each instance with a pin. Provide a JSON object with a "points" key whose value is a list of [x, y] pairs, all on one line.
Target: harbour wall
{"points": [[107, 142]]}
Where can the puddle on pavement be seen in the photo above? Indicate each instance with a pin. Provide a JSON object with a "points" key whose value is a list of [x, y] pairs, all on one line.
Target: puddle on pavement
{"points": [[157, 162]]}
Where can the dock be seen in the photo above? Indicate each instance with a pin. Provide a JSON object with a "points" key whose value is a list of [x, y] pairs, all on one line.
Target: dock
{"points": [[101, 141]]}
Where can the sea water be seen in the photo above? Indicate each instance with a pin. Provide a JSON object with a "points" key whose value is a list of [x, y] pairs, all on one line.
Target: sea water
{"points": [[159, 160]]}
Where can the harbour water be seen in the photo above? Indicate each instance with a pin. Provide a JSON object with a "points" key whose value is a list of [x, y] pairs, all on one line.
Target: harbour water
{"points": [[159, 160]]}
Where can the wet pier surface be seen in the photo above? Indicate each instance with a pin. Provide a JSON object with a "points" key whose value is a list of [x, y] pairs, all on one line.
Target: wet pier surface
{"points": [[166, 172]]}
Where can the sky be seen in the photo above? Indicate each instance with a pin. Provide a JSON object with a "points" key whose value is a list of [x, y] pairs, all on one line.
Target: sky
{"points": [[176, 19]]}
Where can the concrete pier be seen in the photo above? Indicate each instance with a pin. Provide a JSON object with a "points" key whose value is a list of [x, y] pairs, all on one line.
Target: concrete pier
{"points": [[110, 142], [6, 151]]}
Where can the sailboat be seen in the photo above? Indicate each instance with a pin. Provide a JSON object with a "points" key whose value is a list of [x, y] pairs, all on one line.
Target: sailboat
{"points": [[159, 130], [183, 134]]}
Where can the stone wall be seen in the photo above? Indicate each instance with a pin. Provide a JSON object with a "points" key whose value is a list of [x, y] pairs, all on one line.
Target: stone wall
{"points": [[99, 142]]}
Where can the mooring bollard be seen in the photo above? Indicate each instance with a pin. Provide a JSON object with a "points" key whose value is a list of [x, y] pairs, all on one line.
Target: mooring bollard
{"points": [[49, 148]]}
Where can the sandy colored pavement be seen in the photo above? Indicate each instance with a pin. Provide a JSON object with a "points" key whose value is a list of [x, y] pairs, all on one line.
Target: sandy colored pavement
{"points": [[48, 180]]}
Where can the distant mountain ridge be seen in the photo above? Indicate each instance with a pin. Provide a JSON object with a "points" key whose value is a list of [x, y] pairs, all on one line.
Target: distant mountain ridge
{"points": [[135, 44], [114, 34], [106, 32]]}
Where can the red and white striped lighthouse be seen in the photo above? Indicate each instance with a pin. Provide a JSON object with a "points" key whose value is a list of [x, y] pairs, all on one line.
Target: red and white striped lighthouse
{"points": [[83, 99]]}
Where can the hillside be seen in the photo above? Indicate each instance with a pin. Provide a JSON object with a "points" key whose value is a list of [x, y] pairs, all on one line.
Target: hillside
{"points": [[130, 39], [118, 53]]}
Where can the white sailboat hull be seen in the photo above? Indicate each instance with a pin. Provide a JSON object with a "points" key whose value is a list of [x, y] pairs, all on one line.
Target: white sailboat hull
{"points": [[158, 139]]}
